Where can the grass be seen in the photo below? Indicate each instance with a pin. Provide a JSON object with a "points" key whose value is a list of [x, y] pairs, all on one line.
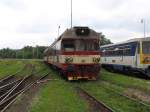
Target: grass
{"points": [[39, 67], [126, 81], [61, 94], [117, 83], [58, 96], [10, 67], [116, 102]]}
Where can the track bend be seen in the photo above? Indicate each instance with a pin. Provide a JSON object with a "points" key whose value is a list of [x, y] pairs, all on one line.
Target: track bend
{"points": [[18, 89]]}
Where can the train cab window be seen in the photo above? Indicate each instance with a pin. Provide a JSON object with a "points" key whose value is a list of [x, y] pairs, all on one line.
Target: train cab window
{"points": [[80, 45], [68, 46], [86, 45], [92, 45], [146, 47]]}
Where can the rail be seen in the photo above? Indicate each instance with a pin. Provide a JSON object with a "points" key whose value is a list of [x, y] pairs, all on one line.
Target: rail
{"points": [[99, 105], [18, 90]]}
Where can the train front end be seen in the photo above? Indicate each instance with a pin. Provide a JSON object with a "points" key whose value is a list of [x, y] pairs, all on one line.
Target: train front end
{"points": [[80, 56], [145, 55]]}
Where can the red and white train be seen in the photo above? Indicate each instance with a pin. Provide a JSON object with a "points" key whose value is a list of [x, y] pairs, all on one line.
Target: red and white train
{"points": [[75, 54]]}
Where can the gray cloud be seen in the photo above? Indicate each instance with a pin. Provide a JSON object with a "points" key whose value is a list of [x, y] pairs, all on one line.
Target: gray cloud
{"points": [[35, 21], [34, 28], [14, 4], [118, 24], [109, 4]]}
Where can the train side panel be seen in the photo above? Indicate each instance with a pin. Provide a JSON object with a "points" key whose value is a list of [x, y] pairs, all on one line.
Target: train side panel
{"points": [[126, 57]]}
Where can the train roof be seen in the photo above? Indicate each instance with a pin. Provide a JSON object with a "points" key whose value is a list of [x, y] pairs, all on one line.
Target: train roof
{"points": [[128, 41], [78, 32]]}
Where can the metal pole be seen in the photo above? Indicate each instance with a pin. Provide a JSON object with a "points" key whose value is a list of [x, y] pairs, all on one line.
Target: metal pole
{"points": [[144, 26], [71, 13], [23, 53], [58, 30], [16, 54], [33, 52], [143, 22], [37, 53]]}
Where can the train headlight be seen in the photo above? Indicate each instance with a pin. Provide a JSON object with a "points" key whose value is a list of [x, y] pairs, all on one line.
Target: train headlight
{"points": [[96, 60], [68, 60]]}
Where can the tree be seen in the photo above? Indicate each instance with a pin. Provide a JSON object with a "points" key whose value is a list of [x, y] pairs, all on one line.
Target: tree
{"points": [[103, 40]]}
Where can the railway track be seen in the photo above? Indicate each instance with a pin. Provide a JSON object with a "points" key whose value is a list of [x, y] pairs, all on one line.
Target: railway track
{"points": [[10, 78], [5, 80], [15, 89], [97, 106], [4, 89], [7, 83]]}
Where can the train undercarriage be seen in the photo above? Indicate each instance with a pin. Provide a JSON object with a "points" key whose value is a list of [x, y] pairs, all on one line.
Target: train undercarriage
{"points": [[79, 72], [128, 70]]}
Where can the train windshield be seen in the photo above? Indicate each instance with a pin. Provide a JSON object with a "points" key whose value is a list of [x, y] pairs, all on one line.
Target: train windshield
{"points": [[87, 45], [68, 45], [146, 47], [80, 45]]}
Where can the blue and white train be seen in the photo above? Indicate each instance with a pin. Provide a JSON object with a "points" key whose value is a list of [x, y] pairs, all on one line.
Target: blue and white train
{"points": [[132, 55]]}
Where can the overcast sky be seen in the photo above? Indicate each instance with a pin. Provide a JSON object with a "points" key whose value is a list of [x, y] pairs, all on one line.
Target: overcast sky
{"points": [[35, 22]]}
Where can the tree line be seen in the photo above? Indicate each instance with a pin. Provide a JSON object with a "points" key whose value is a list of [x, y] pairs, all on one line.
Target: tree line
{"points": [[28, 52]]}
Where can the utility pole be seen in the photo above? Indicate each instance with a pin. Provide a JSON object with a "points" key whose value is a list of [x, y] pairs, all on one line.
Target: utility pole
{"points": [[23, 53], [143, 22], [58, 30], [71, 13], [37, 52], [16, 53], [33, 52]]}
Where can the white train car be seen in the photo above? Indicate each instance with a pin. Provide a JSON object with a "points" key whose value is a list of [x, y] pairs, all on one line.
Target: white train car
{"points": [[132, 55]]}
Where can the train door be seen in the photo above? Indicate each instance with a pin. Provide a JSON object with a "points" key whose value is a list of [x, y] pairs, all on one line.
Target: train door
{"points": [[137, 56], [121, 55]]}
